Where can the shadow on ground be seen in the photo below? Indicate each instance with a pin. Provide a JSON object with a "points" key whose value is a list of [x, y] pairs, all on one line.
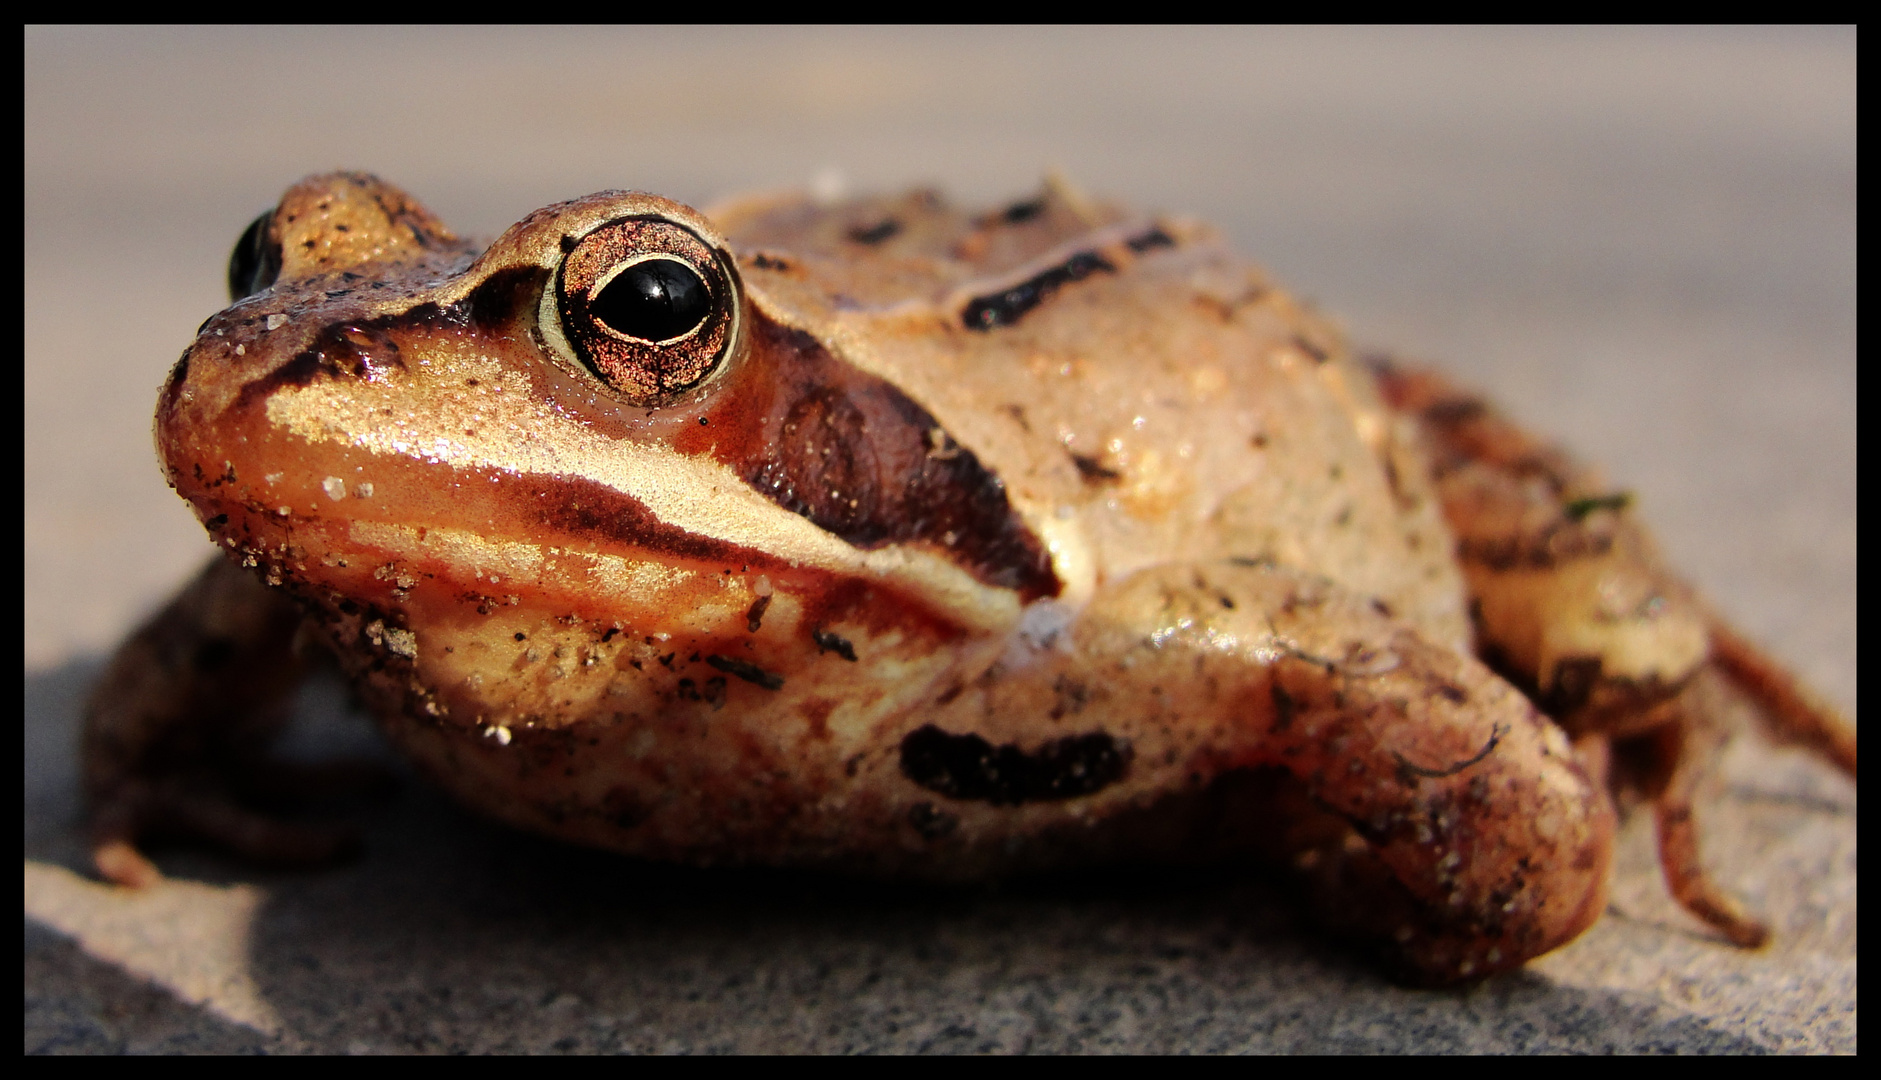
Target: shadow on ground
{"points": [[453, 934]]}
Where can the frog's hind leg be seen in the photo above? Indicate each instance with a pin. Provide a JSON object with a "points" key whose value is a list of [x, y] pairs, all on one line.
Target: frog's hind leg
{"points": [[1427, 804], [1679, 752], [175, 732], [1573, 603], [1791, 711]]}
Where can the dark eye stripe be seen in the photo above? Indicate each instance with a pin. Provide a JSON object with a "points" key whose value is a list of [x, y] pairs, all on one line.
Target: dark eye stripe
{"points": [[864, 462]]}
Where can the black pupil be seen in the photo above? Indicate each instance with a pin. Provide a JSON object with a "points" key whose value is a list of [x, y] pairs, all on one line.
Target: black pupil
{"points": [[653, 300]]}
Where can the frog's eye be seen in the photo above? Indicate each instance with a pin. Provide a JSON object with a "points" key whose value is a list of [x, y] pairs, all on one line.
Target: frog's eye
{"points": [[646, 306], [256, 260]]}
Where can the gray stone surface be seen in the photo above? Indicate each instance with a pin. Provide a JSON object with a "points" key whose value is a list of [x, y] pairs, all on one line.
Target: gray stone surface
{"points": [[1643, 241]]}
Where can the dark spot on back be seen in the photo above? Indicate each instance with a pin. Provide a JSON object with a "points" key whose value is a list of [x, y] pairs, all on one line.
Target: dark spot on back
{"points": [[876, 233], [1155, 237], [1094, 471], [1021, 212], [1318, 354], [1007, 306], [968, 767]]}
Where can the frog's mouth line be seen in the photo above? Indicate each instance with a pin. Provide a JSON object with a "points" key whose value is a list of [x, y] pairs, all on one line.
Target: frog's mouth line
{"points": [[546, 474]]}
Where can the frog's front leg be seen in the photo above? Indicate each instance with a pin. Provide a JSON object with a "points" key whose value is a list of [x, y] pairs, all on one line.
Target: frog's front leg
{"points": [[1572, 601], [1472, 838], [176, 730]]}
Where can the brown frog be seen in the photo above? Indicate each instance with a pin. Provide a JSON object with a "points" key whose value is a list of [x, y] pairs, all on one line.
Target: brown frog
{"points": [[888, 537]]}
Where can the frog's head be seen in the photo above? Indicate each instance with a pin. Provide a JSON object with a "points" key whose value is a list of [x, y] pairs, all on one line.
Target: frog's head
{"points": [[592, 413]]}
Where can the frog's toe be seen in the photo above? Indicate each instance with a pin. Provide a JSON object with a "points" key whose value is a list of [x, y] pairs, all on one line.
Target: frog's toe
{"points": [[261, 838], [120, 824], [118, 861]]}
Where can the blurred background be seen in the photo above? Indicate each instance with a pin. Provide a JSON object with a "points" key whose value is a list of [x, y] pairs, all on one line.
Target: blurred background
{"points": [[1640, 241]]}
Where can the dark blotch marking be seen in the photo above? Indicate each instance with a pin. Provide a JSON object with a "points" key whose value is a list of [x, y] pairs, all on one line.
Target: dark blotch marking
{"points": [[769, 262], [1578, 510], [750, 673], [876, 233], [1020, 212], [1008, 306], [1154, 238], [1283, 706], [828, 642], [969, 767], [1318, 354], [754, 618], [854, 455], [1094, 471]]}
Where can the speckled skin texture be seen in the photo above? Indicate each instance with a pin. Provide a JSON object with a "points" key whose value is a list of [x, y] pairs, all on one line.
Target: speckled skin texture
{"points": [[541, 577], [1672, 297]]}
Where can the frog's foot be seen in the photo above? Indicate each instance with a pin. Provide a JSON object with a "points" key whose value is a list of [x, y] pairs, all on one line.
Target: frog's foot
{"points": [[174, 733], [139, 811], [1468, 838], [1685, 874], [1574, 605], [1476, 839], [1676, 743], [1354, 892]]}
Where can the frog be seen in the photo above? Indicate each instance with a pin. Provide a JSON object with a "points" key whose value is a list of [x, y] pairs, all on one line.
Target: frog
{"points": [[880, 536]]}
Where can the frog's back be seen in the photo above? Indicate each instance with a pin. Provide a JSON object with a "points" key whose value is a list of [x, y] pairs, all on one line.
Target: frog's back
{"points": [[1146, 395]]}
